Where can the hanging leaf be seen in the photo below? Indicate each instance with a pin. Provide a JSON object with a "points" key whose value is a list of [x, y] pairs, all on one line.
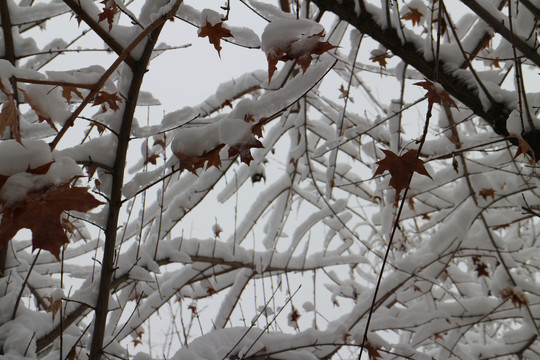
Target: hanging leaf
{"points": [[215, 33]]}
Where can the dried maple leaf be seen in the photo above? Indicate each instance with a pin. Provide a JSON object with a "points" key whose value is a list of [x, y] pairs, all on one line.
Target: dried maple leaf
{"points": [[54, 306], [40, 212], [414, 15], [372, 351], [435, 93], [67, 90], [523, 148], [192, 163], [215, 33], [495, 63], [480, 267], [302, 56], [294, 315], [161, 143], [243, 149], [111, 99], [8, 116], [401, 168], [381, 59], [41, 114], [517, 299], [151, 159], [109, 11], [487, 192]]}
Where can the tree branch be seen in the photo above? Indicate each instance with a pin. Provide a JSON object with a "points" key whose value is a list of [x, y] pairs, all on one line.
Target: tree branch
{"points": [[103, 34], [365, 22]]}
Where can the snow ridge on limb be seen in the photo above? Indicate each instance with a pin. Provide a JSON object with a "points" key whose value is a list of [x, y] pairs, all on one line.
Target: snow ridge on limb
{"points": [[456, 83]]}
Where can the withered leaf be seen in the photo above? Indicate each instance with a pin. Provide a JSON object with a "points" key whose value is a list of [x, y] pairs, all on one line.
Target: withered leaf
{"points": [[104, 97], [303, 58], [54, 306], [436, 94], [381, 59], [243, 149], [41, 114], [372, 351], [401, 168], [414, 15], [40, 212], [192, 163], [151, 159], [67, 90], [8, 116], [109, 11], [487, 192], [523, 148], [215, 33]]}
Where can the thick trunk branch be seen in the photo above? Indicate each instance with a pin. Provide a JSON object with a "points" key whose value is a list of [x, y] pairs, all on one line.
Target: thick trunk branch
{"points": [[103, 34], [495, 115]]}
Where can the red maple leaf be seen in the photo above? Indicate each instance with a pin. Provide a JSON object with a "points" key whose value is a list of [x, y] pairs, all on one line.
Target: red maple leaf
{"points": [[41, 212], [104, 97], [302, 57], [215, 33], [401, 168], [435, 93]]}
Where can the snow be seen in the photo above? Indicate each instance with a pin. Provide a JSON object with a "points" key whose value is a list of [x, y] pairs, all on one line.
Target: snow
{"points": [[291, 36]]}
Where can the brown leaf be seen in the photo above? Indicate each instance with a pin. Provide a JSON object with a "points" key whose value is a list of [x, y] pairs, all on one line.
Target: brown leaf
{"points": [[215, 33], [40, 212], [480, 267], [111, 99], [40, 170], [523, 148], [41, 114], [302, 58], [54, 306], [414, 15], [294, 315], [8, 116], [161, 143], [487, 192], [109, 11], [243, 149], [192, 163], [381, 59], [517, 299], [401, 168], [436, 94], [151, 159], [372, 351], [67, 90]]}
